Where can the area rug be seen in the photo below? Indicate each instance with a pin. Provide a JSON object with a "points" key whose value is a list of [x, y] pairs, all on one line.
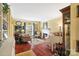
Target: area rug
{"points": [[42, 50], [19, 48]]}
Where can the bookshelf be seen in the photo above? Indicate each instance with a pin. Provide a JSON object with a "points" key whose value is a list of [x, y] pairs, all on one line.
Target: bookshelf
{"points": [[20, 27], [3, 24], [1, 17]]}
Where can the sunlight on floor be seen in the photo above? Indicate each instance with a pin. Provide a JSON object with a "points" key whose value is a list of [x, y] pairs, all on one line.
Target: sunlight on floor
{"points": [[36, 41]]}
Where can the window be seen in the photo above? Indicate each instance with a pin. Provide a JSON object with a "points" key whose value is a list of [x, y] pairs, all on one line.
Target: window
{"points": [[45, 25]]}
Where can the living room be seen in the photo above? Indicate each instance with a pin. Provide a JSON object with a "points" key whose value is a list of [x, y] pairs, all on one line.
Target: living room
{"points": [[34, 30], [37, 29]]}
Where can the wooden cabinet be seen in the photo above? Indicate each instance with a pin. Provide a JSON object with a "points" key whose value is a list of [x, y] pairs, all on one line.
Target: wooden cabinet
{"points": [[66, 27]]}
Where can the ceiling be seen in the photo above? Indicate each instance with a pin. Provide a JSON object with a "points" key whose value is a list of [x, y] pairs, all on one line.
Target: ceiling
{"points": [[36, 11]]}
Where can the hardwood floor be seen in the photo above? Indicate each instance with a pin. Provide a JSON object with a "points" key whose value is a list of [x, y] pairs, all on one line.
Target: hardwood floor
{"points": [[39, 50], [42, 50]]}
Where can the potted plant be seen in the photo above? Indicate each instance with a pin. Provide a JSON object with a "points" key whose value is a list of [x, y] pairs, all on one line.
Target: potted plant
{"points": [[5, 8]]}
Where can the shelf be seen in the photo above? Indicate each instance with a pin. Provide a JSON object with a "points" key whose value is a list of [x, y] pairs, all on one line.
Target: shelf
{"points": [[0, 13], [28, 25], [3, 24], [5, 30], [5, 20]]}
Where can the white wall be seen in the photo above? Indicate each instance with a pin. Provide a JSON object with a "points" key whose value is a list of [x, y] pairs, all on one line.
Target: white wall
{"points": [[53, 24], [8, 48]]}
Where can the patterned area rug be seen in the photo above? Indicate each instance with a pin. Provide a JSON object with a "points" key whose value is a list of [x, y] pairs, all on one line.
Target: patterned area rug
{"points": [[42, 50], [19, 48]]}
